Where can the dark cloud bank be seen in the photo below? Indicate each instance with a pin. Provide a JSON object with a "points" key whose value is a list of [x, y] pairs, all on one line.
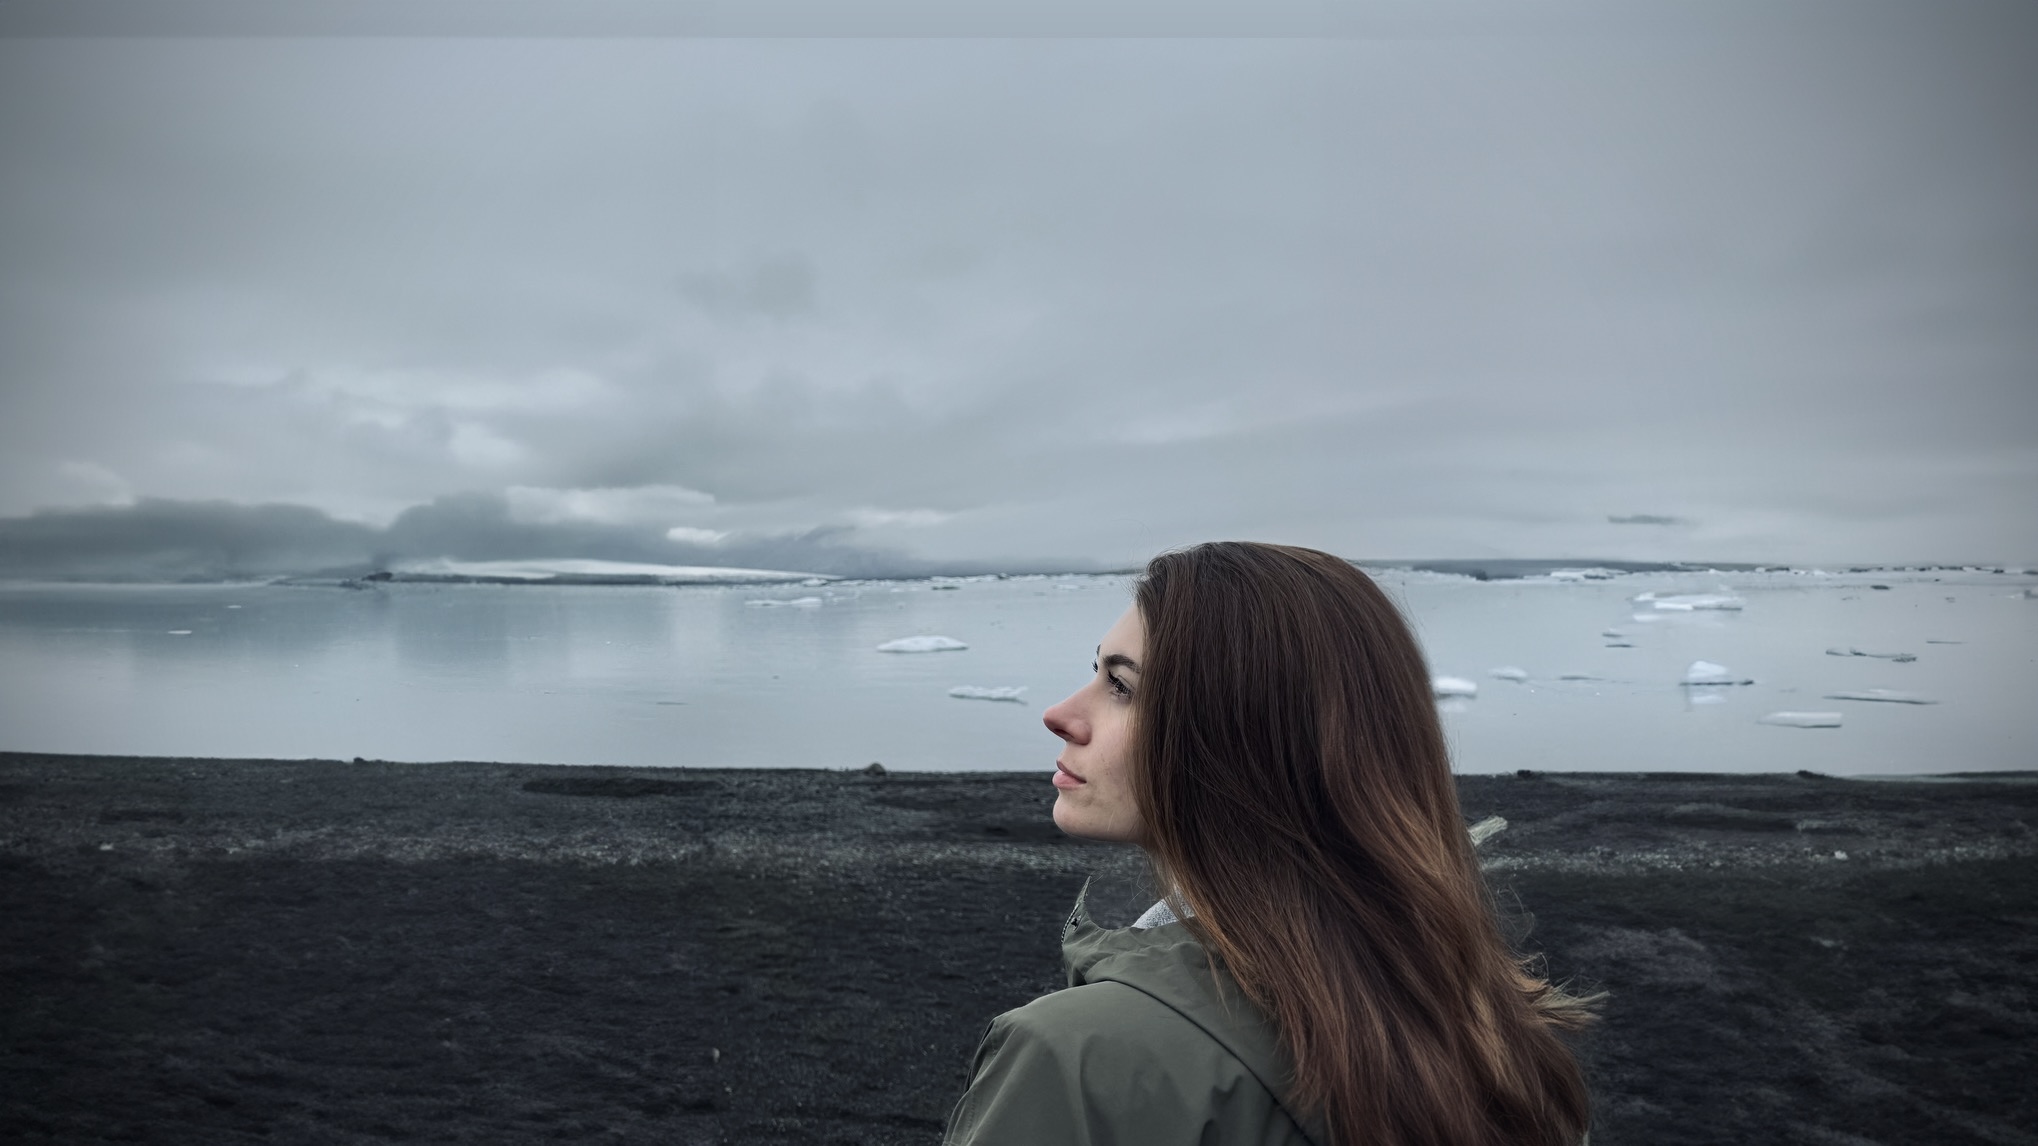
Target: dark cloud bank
{"points": [[158, 539]]}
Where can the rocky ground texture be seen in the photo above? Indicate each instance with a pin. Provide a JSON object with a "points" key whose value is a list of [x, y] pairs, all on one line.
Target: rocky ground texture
{"points": [[205, 951]]}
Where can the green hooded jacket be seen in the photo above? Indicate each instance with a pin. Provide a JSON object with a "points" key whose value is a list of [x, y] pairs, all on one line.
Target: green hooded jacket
{"points": [[1150, 1043]]}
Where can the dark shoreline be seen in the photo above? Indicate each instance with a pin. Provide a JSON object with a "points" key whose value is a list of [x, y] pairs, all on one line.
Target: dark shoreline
{"points": [[214, 951]]}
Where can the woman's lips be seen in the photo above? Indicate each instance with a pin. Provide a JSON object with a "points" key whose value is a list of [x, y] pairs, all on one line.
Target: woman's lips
{"points": [[1063, 778]]}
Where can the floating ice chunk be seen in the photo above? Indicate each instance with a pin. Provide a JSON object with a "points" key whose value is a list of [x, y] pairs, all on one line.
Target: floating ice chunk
{"points": [[1900, 658], [1508, 672], [179, 632], [1612, 634], [1583, 574], [795, 603], [1803, 719], [1453, 686], [973, 692], [1934, 642], [922, 645], [1486, 829], [1576, 676], [1618, 645], [1706, 672], [1886, 695], [1689, 602]]}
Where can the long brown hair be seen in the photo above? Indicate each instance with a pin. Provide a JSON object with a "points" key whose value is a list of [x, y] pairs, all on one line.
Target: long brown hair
{"points": [[1297, 795]]}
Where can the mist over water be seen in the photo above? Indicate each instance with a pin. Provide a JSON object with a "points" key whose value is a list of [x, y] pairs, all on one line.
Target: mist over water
{"points": [[709, 676]]}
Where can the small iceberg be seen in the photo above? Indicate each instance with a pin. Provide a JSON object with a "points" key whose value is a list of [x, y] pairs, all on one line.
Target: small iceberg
{"points": [[1619, 645], [1802, 719], [1708, 673], [1486, 829], [1594, 574], [1508, 672], [922, 645], [973, 692], [1900, 658], [1688, 602], [179, 632], [795, 603], [1453, 686], [1885, 695], [1612, 634], [1576, 676]]}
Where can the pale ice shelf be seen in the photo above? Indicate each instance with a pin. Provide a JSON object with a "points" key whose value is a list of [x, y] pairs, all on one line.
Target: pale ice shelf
{"points": [[578, 569], [922, 645], [1885, 695], [1803, 719], [974, 692]]}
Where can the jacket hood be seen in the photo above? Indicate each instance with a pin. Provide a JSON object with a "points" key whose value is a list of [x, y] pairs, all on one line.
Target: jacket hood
{"points": [[1168, 964]]}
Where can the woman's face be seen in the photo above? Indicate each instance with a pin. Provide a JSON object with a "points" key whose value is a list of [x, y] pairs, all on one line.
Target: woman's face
{"points": [[1092, 776]]}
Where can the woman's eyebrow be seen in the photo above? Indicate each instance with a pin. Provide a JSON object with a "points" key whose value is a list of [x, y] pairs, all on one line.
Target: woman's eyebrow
{"points": [[1120, 660]]}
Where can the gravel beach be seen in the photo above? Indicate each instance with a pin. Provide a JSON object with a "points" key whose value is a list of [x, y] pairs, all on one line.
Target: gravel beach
{"points": [[218, 951]]}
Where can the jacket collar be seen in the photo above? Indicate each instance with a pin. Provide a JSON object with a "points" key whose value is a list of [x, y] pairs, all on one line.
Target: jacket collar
{"points": [[1168, 964]]}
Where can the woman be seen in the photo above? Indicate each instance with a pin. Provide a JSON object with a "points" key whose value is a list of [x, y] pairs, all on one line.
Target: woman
{"points": [[1326, 967]]}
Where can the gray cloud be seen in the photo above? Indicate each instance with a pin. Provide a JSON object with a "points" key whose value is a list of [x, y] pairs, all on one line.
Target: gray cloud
{"points": [[998, 302]]}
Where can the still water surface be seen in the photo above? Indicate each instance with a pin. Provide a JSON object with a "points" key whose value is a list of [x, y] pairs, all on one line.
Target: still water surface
{"points": [[704, 676]]}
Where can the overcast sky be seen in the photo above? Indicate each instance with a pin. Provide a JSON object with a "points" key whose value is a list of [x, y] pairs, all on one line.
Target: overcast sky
{"points": [[1032, 301]]}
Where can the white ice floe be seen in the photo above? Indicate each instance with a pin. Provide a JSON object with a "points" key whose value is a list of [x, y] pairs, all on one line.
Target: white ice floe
{"points": [[1803, 719], [1576, 676], [1900, 658], [922, 645], [1508, 672], [1688, 602], [973, 692], [1583, 574], [1612, 634], [1886, 695], [795, 603], [180, 632], [1453, 686], [1706, 672]]}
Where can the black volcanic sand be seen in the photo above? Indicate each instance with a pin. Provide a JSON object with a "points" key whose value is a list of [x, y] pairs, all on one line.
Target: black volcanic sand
{"points": [[214, 951]]}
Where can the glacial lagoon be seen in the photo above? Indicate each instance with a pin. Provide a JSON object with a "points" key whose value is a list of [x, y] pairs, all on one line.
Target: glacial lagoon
{"points": [[1849, 673]]}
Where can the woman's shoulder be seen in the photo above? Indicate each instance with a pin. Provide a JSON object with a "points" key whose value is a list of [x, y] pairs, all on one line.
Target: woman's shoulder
{"points": [[1103, 1014], [1107, 1062]]}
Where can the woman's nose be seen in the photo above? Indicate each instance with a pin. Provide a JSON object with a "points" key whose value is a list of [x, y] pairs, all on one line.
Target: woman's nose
{"points": [[1063, 721]]}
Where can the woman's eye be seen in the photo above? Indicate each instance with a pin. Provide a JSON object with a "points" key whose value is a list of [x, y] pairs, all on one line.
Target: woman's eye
{"points": [[1118, 686]]}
